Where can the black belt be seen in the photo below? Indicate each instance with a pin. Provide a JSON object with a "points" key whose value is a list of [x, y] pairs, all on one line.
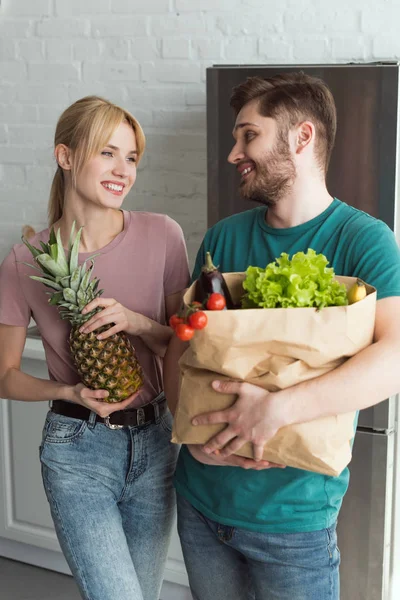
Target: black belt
{"points": [[133, 417]]}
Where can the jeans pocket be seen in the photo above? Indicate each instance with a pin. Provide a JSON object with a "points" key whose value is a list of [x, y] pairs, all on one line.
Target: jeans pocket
{"points": [[59, 429], [333, 550]]}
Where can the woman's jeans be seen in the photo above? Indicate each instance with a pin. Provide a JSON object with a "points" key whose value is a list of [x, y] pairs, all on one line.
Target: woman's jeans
{"points": [[112, 502], [226, 563]]}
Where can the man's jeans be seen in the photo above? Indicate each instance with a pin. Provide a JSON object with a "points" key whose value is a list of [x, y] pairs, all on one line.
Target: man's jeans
{"points": [[226, 563], [112, 502]]}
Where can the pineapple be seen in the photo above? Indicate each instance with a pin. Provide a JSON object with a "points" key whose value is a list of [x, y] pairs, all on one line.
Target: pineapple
{"points": [[108, 364]]}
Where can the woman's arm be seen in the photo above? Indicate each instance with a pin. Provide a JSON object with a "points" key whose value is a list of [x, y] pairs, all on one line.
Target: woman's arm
{"points": [[154, 335], [17, 385]]}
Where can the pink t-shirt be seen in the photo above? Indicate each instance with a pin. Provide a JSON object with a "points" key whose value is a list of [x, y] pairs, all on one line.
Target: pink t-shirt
{"points": [[142, 265]]}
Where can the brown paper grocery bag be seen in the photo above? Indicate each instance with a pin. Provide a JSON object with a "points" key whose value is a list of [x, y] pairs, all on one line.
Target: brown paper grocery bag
{"points": [[274, 348]]}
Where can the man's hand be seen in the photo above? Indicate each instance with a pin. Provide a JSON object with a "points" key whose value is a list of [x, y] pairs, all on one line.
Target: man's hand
{"points": [[255, 417], [231, 461]]}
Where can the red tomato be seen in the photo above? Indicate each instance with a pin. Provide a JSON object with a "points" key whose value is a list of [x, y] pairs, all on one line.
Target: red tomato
{"points": [[174, 321], [216, 302], [184, 332], [198, 320]]}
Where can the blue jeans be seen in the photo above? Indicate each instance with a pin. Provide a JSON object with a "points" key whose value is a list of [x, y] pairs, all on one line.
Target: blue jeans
{"points": [[226, 563], [112, 502]]}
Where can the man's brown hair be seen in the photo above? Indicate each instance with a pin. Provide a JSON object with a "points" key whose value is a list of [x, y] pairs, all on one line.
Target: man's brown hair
{"points": [[291, 98]]}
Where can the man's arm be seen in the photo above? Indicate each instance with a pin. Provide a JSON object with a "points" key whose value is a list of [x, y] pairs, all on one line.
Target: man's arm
{"points": [[171, 387], [171, 371], [366, 379]]}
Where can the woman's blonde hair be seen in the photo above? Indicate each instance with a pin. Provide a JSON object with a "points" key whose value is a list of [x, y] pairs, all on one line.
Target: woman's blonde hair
{"points": [[85, 127]]}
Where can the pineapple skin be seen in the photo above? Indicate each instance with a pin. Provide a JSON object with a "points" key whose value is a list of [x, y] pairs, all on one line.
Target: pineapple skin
{"points": [[108, 364]]}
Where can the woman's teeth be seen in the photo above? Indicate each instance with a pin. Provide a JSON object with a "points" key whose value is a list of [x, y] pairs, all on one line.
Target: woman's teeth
{"points": [[113, 187]]}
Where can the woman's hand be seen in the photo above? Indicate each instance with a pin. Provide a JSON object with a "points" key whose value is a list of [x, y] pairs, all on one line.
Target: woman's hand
{"points": [[113, 312], [93, 400]]}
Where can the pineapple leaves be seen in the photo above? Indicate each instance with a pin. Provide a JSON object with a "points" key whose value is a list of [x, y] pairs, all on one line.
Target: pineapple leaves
{"points": [[52, 239], [61, 258], [55, 268], [69, 295], [56, 298], [47, 282], [34, 251], [74, 252], [71, 237], [75, 278], [71, 284], [53, 251], [86, 278]]}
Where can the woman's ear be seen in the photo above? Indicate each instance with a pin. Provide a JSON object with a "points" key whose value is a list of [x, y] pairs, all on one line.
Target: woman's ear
{"points": [[63, 157]]}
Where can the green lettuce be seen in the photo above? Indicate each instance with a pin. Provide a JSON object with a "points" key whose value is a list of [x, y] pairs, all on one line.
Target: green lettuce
{"points": [[305, 280]]}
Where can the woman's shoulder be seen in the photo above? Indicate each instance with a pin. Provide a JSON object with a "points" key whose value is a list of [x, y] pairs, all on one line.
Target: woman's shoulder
{"points": [[21, 252], [155, 221]]}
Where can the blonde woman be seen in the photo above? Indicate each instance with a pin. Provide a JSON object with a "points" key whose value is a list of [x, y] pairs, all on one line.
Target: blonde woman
{"points": [[109, 489]]}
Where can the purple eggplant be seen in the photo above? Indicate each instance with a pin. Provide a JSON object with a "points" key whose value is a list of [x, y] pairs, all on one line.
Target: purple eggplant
{"points": [[211, 280]]}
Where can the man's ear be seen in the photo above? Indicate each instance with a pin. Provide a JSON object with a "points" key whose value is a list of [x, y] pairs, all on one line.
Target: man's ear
{"points": [[63, 157], [305, 134]]}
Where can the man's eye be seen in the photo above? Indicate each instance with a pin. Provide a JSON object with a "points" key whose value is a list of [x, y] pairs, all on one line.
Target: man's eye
{"points": [[249, 135]]}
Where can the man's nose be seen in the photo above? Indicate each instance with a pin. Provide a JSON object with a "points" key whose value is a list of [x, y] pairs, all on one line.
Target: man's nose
{"points": [[236, 155]]}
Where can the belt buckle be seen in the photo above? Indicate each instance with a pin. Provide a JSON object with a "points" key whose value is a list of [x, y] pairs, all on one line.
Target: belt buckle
{"points": [[141, 418], [111, 425]]}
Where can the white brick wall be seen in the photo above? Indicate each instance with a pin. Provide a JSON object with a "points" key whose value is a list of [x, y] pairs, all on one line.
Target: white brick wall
{"points": [[150, 56]]}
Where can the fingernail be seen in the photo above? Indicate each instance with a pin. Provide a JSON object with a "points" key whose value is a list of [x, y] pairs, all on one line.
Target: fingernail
{"points": [[100, 337], [216, 384], [82, 330], [195, 422], [207, 450]]}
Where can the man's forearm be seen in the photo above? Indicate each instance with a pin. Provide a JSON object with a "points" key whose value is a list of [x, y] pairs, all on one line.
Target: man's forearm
{"points": [[366, 379], [16, 385]]}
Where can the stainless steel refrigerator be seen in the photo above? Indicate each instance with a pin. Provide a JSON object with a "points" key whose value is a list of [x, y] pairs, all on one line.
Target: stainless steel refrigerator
{"points": [[364, 173]]}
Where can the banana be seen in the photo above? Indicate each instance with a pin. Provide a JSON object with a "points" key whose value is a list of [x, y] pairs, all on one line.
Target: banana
{"points": [[356, 292]]}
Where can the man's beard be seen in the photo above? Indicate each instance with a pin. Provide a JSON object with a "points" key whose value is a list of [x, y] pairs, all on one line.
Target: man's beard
{"points": [[272, 178]]}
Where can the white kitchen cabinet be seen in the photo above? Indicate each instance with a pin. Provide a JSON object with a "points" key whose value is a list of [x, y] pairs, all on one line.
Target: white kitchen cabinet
{"points": [[26, 527]]}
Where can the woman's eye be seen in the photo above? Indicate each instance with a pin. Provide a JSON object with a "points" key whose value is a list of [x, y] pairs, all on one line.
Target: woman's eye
{"points": [[132, 159], [106, 153]]}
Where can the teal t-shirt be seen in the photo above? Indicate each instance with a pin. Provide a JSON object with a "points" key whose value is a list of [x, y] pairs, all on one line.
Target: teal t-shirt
{"points": [[286, 500]]}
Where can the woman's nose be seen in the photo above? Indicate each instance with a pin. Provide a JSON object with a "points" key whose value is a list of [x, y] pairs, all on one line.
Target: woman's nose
{"points": [[120, 168]]}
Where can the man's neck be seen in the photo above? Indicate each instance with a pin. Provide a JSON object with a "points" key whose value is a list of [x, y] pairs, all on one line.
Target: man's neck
{"points": [[305, 201]]}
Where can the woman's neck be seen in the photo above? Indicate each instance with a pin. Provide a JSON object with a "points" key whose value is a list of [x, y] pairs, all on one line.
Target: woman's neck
{"points": [[100, 227]]}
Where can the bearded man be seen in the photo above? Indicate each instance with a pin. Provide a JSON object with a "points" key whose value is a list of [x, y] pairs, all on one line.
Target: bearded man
{"points": [[249, 529]]}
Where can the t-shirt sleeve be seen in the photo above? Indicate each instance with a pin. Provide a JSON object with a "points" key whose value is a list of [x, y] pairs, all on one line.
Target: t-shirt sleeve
{"points": [[376, 259], [176, 273], [14, 309], [200, 260]]}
